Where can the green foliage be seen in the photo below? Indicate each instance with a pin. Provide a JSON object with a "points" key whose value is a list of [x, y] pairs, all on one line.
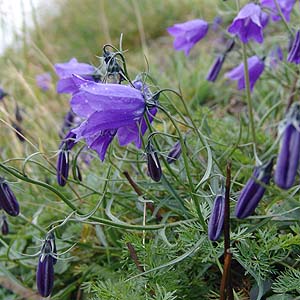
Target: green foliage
{"points": [[178, 260]]}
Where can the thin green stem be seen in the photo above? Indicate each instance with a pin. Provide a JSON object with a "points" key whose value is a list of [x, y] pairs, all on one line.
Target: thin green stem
{"points": [[186, 165], [283, 18], [248, 95]]}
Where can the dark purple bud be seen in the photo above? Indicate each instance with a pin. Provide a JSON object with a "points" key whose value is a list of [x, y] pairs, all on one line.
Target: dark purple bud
{"points": [[8, 201], [62, 168], [50, 238], [19, 132], [154, 167], [4, 226], [68, 123], [216, 221], [2, 94], [294, 53], [253, 190], [68, 142], [215, 68], [18, 114], [174, 153], [289, 152], [229, 45], [45, 270]]}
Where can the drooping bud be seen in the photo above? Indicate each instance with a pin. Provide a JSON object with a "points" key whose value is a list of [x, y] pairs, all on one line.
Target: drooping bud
{"points": [[51, 239], [216, 221], [18, 131], [215, 68], [62, 168], [154, 167], [253, 190], [8, 200], [45, 270], [174, 153], [289, 153], [294, 53], [229, 46], [18, 114], [4, 225]]}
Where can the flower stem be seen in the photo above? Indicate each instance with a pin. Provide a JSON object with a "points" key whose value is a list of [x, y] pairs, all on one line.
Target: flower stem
{"points": [[248, 95], [283, 18]]}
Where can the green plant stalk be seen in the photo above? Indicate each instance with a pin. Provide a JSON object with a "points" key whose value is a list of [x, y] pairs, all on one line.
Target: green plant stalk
{"points": [[248, 95], [185, 160], [248, 91], [283, 18], [93, 218]]}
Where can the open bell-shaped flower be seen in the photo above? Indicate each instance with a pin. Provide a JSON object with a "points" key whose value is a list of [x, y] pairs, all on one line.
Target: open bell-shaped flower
{"points": [[216, 220], [253, 190], [187, 34], [65, 72], [255, 68], [8, 200], [289, 152], [247, 24], [286, 7]]}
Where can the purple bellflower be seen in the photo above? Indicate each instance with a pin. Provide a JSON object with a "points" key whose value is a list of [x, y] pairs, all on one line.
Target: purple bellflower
{"points": [[286, 7], [65, 73], [43, 81], [62, 167], [216, 220], [247, 24], [45, 269], [255, 67], [294, 53], [8, 200], [109, 109], [153, 163], [253, 190], [289, 153], [135, 131], [174, 153], [187, 34]]}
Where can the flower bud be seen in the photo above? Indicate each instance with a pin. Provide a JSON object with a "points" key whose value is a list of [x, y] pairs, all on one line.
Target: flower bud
{"points": [[45, 270], [8, 200], [216, 220], [174, 153], [62, 168], [215, 68], [294, 53], [4, 225], [253, 190], [289, 153], [154, 167]]}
